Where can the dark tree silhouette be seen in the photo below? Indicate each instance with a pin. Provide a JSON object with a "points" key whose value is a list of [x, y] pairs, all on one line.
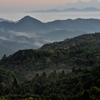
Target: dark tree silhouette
{"points": [[85, 96]]}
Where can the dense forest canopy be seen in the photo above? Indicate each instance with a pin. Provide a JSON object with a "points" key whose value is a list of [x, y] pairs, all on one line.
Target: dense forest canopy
{"points": [[79, 52], [23, 75]]}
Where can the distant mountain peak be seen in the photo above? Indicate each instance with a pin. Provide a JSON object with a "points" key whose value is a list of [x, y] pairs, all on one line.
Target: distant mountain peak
{"points": [[29, 19]]}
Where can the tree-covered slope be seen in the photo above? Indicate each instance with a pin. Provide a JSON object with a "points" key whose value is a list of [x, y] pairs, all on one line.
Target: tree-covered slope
{"points": [[79, 52], [56, 86], [85, 38], [79, 55]]}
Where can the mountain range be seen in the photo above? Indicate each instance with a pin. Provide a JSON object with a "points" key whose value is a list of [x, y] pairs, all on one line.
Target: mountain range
{"points": [[88, 9], [30, 33]]}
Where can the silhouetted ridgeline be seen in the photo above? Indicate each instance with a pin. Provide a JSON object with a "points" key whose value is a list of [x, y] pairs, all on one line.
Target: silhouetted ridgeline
{"points": [[30, 33]]}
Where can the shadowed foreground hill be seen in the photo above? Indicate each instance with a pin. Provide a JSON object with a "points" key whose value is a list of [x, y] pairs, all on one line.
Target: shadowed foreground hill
{"points": [[82, 39], [79, 52], [78, 84]]}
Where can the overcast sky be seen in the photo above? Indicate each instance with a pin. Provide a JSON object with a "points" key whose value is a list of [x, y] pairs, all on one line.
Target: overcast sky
{"points": [[27, 5]]}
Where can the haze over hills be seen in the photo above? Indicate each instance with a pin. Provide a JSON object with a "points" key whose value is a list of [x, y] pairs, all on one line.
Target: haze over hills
{"points": [[79, 52], [87, 9], [1, 20], [30, 33]]}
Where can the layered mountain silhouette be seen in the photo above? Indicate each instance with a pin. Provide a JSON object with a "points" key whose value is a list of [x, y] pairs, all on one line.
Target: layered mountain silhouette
{"points": [[30, 33], [88, 9], [29, 24], [26, 24]]}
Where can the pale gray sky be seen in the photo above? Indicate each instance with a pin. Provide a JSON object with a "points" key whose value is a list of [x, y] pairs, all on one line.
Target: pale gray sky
{"points": [[81, 4], [27, 5]]}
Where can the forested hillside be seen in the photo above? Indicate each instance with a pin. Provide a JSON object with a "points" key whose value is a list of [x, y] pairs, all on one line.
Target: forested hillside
{"points": [[75, 65], [79, 52], [85, 38], [79, 84]]}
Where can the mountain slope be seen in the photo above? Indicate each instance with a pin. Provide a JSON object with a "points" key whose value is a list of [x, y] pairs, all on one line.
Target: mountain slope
{"points": [[15, 43], [82, 51], [26, 24], [36, 33], [85, 38], [30, 24], [83, 71], [87, 25]]}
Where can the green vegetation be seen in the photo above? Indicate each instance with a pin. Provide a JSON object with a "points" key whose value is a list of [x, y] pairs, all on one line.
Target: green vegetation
{"points": [[79, 52], [76, 85], [79, 55]]}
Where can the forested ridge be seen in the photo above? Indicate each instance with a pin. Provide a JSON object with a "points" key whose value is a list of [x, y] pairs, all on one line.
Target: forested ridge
{"points": [[56, 86], [79, 55], [82, 51]]}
